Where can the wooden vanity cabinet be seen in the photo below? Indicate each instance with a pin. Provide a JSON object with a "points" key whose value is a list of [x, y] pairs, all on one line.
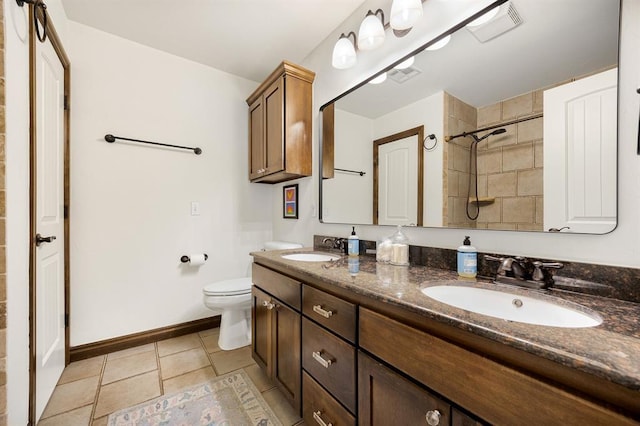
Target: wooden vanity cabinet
{"points": [[275, 322], [280, 120]]}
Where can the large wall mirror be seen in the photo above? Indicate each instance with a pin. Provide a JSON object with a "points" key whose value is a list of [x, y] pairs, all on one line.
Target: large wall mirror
{"points": [[518, 125]]}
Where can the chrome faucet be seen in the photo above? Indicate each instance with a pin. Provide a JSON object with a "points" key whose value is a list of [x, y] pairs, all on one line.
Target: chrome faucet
{"points": [[524, 272]]}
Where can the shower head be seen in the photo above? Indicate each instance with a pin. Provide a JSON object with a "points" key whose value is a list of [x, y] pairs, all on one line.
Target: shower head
{"points": [[495, 132]]}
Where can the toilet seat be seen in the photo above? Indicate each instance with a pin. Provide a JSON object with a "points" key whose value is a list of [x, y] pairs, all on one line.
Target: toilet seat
{"points": [[232, 287]]}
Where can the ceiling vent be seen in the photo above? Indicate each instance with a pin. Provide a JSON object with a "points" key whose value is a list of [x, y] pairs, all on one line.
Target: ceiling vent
{"points": [[507, 19], [400, 76]]}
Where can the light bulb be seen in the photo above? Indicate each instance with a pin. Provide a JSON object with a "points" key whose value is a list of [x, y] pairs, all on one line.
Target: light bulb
{"points": [[379, 79], [344, 54], [405, 64], [484, 18], [440, 43]]}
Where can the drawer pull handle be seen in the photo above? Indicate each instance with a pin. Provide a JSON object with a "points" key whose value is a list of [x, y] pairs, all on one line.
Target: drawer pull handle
{"points": [[433, 417], [318, 310], [318, 419], [268, 305], [323, 362]]}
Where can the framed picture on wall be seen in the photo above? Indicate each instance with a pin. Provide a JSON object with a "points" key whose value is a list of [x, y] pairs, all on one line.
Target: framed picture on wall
{"points": [[290, 201]]}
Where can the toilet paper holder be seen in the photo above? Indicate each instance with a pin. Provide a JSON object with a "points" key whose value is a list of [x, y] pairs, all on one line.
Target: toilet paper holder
{"points": [[186, 259]]}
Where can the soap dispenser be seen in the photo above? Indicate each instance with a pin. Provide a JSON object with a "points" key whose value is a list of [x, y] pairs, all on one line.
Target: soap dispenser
{"points": [[353, 243], [467, 259], [399, 248]]}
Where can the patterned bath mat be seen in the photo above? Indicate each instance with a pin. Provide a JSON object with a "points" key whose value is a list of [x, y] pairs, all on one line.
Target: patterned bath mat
{"points": [[229, 400]]}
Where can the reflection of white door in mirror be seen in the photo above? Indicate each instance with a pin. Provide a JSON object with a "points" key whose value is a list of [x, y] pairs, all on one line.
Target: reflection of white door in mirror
{"points": [[397, 182], [580, 134]]}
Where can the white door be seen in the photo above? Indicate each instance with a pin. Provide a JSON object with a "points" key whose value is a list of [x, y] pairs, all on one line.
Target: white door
{"points": [[49, 257], [398, 182], [580, 137]]}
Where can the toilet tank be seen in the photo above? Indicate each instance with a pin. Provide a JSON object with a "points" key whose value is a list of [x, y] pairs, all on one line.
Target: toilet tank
{"points": [[280, 245]]}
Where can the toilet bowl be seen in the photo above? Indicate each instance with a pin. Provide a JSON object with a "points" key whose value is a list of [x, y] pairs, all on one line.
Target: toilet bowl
{"points": [[232, 300]]}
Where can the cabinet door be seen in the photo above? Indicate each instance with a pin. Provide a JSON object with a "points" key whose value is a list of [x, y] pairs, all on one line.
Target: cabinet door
{"points": [[386, 398], [458, 418], [261, 326], [256, 139], [273, 104], [286, 358]]}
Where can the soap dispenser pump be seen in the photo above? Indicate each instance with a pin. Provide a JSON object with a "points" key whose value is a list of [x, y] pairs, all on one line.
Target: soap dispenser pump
{"points": [[353, 243]]}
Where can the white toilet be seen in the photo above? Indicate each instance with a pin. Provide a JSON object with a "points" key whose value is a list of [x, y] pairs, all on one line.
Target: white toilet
{"points": [[232, 300]]}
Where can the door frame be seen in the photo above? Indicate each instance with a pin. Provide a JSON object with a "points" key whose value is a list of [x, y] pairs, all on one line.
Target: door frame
{"points": [[416, 131], [56, 43]]}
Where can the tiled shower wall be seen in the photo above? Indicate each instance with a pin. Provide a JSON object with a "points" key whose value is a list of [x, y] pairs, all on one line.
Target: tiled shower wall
{"points": [[3, 257], [509, 165]]}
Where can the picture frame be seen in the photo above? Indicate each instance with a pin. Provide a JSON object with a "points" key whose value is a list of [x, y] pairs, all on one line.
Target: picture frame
{"points": [[290, 201]]}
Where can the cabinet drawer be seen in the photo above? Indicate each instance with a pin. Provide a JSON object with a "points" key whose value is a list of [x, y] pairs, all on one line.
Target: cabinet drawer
{"points": [[486, 388], [318, 406], [330, 311], [331, 361], [284, 288]]}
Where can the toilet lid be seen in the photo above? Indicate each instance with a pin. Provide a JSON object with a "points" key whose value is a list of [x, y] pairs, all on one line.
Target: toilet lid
{"points": [[229, 287]]}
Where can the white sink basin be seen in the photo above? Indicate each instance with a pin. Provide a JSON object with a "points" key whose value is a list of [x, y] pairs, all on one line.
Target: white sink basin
{"points": [[311, 257], [513, 307]]}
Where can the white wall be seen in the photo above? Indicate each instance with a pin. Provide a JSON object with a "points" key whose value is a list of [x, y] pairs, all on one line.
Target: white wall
{"points": [[349, 196], [130, 203], [619, 247]]}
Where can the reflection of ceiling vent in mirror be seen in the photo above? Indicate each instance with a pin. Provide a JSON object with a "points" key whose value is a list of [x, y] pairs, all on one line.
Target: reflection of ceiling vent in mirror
{"points": [[400, 76], [506, 19]]}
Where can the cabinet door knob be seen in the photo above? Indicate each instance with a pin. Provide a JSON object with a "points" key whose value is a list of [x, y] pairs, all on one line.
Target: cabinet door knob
{"points": [[268, 305], [318, 310], [323, 362], [317, 417], [433, 417]]}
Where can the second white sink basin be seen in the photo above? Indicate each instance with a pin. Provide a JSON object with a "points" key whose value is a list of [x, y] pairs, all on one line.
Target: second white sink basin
{"points": [[513, 307], [311, 257]]}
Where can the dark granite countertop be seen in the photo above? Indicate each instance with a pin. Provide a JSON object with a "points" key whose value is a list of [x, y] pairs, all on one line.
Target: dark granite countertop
{"points": [[610, 350]]}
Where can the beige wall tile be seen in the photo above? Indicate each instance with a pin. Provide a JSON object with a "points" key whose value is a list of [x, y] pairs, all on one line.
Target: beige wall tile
{"points": [[452, 183], [490, 161], [538, 153], [491, 212], [529, 227], [502, 185], [540, 210], [518, 106], [517, 157], [530, 130], [482, 185], [518, 210], [502, 226], [530, 182], [461, 159], [465, 112], [538, 104], [489, 114], [463, 184]]}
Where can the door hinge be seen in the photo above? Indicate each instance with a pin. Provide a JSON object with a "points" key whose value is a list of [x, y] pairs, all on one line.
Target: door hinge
{"points": [[66, 102], [66, 320]]}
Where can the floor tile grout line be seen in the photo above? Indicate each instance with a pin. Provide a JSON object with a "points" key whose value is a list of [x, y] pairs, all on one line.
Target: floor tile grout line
{"points": [[95, 398], [215, 370], [159, 365]]}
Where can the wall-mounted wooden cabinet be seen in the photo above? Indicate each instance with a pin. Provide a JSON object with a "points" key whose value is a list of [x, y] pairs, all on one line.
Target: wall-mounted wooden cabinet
{"points": [[280, 120]]}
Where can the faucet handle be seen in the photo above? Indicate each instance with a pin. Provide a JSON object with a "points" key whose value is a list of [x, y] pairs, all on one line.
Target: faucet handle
{"points": [[541, 271]]}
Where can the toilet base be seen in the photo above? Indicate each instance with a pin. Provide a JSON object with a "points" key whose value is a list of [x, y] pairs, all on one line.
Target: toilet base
{"points": [[235, 329]]}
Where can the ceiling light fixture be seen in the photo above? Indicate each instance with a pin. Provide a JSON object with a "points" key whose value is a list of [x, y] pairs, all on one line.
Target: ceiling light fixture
{"points": [[371, 33], [405, 13], [379, 79], [484, 18], [440, 43], [405, 64], [344, 52]]}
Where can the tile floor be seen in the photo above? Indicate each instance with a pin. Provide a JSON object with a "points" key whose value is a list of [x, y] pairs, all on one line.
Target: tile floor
{"points": [[91, 389]]}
